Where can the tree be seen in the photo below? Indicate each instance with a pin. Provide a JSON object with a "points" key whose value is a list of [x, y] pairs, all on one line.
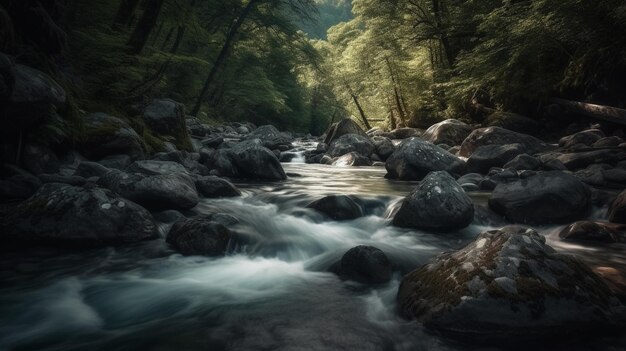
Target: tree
{"points": [[144, 27]]}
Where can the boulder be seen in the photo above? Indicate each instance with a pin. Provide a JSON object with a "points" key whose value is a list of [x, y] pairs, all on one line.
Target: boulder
{"points": [[405, 133], [120, 162], [167, 117], [547, 197], [215, 187], [88, 169], [39, 159], [270, 137], [364, 264], [351, 143], [195, 127], [438, 203], [65, 215], [341, 128], [199, 237], [508, 285], [254, 161], [383, 147], [586, 138], [415, 158], [588, 231], [451, 132], [500, 136], [608, 142], [337, 207], [514, 122], [579, 160], [155, 192], [107, 135], [523, 162], [153, 167], [617, 210], [57, 178], [352, 159], [488, 156]]}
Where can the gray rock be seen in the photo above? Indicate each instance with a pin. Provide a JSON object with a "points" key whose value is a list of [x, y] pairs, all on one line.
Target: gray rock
{"points": [[383, 147], [57, 178], [579, 160], [215, 187], [451, 132], [586, 137], [270, 137], [164, 116], [351, 143], [364, 264], [548, 197], [338, 207], [513, 122], [352, 159], [406, 133], [588, 231], [415, 158], [88, 169], [488, 156], [254, 161], [608, 142], [152, 167], [39, 159], [341, 128], [199, 237], [107, 135], [499, 136], [524, 162], [439, 203]]}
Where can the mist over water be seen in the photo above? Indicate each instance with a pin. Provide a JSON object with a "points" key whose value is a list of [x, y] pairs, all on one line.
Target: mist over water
{"points": [[271, 292]]}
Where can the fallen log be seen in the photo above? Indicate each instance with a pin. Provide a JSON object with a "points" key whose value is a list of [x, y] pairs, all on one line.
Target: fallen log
{"points": [[605, 113]]}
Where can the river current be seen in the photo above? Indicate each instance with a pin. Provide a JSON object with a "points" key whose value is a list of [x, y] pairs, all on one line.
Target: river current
{"points": [[271, 292]]}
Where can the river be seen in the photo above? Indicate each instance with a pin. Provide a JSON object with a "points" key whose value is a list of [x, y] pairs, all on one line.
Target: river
{"points": [[271, 292]]}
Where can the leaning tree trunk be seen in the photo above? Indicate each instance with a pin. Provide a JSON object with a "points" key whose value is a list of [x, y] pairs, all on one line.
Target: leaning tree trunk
{"points": [[361, 112], [146, 24], [605, 113], [221, 57], [125, 13]]}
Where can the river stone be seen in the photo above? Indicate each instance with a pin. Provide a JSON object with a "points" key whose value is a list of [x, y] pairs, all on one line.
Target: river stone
{"points": [[167, 117], [88, 169], [450, 132], [155, 192], [337, 207], [405, 133], [270, 137], [591, 232], [586, 137], [488, 156], [152, 167], [507, 285], [523, 162], [364, 264], [352, 159], [513, 122], [351, 143], [383, 147], [547, 197], [439, 203], [64, 215], [612, 141], [254, 161], [617, 210], [415, 158], [107, 135], [58, 178], [500, 136], [579, 160], [197, 236], [215, 187], [341, 128]]}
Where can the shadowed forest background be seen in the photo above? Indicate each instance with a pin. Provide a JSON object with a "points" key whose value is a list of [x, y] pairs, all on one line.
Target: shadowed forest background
{"points": [[299, 64]]}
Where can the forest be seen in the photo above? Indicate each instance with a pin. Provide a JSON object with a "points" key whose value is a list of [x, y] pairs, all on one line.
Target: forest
{"points": [[312, 174]]}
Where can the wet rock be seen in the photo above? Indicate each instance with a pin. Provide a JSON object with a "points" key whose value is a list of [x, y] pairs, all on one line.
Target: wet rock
{"points": [[579, 160], [439, 203], [508, 284], [338, 207], [364, 264], [499, 136], [524, 162], [254, 161], [586, 137], [215, 187], [547, 197], [213, 142], [195, 127], [617, 210], [107, 135], [383, 147], [415, 158], [451, 132], [165, 117], [57, 178], [199, 237], [155, 192], [341, 128], [608, 142], [352, 159], [64, 215], [470, 179], [351, 143], [270, 137], [88, 169], [615, 175], [153, 167], [591, 231], [405, 133], [593, 175], [488, 156], [120, 162], [513, 122]]}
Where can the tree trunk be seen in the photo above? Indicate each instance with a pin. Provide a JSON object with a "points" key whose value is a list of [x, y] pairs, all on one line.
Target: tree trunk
{"points": [[179, 38], [443, 38], [361, 112], [125, 13], [221, 57], [392, 118], [144, 27], [605, 113]]}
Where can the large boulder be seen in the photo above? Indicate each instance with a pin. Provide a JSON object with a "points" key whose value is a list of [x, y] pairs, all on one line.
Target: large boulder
{"points": [[341, 128], [439, 203], [585, 138], [524, 162], [156, 192], [501, 136], [199, 236], [513, 121], [508, 285], [253, 161], [578, 160], [215, 187], [547, 197], [415, 158], [167, 117], [64, 215], [34, 95], [364, 264], [488, 156], [617, 210], [155, 167], [450, 132], [383, 147], [107, 135], [337, 207], [589, 231], [351, 143], [405, 133], [270, 137]]}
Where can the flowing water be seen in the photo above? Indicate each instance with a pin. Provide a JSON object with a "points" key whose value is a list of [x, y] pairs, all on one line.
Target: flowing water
{"points": [[271, 292]]}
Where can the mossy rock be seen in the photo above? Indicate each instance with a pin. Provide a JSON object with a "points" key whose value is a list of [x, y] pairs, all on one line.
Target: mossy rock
{"points": [[166, 118], [106, 135]]}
